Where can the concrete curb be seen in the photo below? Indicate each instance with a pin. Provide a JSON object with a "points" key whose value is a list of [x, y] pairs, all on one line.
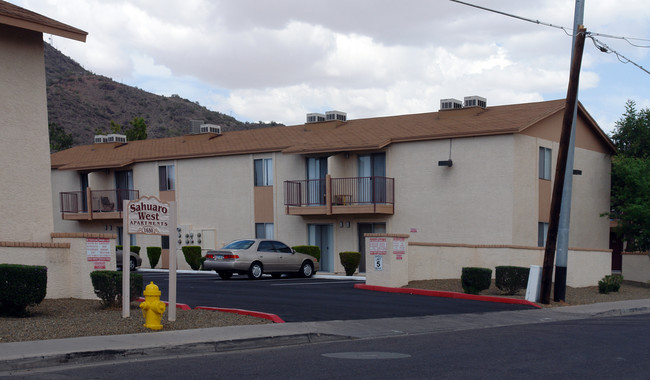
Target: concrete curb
{"points": [[79, 357], [445, 294], [271, 317]]}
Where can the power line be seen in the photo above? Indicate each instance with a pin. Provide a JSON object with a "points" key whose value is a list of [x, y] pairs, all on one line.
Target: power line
{"points": [[514, 16], [599, 45], [606, 49], [626, 39]]}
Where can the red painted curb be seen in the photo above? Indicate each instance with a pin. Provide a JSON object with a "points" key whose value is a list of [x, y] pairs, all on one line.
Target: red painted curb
{"points": [[440, 293], [258, 314], [181, 306]]}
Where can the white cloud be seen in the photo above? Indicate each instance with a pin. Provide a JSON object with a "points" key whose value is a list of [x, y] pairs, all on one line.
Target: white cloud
{"points": [[278, 60]]}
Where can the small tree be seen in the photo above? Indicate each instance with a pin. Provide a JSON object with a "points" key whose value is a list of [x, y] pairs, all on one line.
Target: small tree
{"points": [[59, 138]]}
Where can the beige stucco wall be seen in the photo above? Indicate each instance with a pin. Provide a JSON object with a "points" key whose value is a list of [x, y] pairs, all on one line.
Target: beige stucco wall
{"points": [[636, 267], [68, 268], [445, 261], [469, 203], [24, 146]]}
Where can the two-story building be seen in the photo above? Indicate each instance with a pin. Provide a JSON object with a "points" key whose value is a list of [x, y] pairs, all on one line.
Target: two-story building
{"points": [[467, 175]]}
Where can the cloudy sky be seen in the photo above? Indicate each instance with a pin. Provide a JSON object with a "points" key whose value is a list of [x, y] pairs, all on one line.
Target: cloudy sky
{"points": [[276, 60]]}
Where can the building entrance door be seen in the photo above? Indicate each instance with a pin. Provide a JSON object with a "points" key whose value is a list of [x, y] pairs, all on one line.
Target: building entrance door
{"points": [[321, 236]]}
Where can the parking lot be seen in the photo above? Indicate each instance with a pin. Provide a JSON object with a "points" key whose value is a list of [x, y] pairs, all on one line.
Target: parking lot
{"points": [[311, 299]]}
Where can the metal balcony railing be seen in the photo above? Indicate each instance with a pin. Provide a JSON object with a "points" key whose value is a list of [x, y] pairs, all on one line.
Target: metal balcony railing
{"points": [[100, 200], [343, 191]]}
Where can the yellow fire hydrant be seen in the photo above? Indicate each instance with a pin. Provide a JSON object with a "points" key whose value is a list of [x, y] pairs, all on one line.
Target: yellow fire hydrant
{"points": [[152, 307]]}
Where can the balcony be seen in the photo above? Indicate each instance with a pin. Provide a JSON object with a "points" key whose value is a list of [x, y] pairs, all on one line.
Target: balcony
{"points": [[340, 196], [95, 204]]}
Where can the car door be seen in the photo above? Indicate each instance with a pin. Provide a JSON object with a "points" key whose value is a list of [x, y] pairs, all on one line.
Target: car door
{"points": [[268, 255], [287, 259]]}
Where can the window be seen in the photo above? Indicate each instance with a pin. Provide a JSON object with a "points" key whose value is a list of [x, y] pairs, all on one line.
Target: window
{"points": [[120, 233], [264, 230], [264, 172], [166, 178], [544, 163], [164, 242], [542, 231]]}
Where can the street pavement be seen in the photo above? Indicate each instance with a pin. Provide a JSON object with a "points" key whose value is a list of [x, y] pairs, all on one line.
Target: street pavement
{"points": [[20, 356]]}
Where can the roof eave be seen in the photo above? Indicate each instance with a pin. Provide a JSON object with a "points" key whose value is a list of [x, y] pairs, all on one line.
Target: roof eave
{"points": [[66, 32]]}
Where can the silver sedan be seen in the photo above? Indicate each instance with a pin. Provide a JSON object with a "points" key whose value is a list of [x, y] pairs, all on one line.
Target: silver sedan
{"points": [[255, 257]]}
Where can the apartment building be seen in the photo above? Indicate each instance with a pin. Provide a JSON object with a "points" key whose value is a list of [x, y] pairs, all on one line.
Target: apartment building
{"points": [[466, 175]]}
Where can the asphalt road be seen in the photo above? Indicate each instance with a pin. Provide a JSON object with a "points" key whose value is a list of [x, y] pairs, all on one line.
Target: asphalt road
{"points": [[598, 348], [312, 299]]}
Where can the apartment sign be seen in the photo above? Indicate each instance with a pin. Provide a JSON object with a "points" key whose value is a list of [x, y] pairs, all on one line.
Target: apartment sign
{"points": [[148, 216]]}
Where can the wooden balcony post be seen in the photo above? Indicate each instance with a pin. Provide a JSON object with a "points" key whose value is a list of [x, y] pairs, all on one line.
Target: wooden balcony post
{"points": [[328, 193], [89, 202]]}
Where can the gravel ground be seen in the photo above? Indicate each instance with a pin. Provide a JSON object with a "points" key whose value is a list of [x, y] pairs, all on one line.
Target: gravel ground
{"points": [[574, 296], [69, 317], [65, 318]]}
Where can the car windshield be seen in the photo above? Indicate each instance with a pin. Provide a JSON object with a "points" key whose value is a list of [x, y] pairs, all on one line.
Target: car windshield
{"points": [[239, 244]]}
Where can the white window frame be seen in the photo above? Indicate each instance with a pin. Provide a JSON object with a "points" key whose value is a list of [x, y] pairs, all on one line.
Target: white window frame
{"points": [[168, 183], [545, 163], [265, 178], [267, 228], [542, 233]]}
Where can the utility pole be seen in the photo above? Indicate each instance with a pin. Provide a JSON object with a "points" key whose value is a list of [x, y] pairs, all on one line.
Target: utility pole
{"points": [[561, 166], [559, 289]]}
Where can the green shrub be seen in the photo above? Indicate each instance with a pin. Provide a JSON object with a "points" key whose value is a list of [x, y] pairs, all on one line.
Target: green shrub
{"points": [[350, 261], [311, 250], [108, 286], [134, 248], [193, 256], [511, 279], [610, 283], [474, 280], [153, 253], [22, 286]]}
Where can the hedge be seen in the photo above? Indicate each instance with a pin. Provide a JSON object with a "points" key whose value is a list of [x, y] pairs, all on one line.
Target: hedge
{"points": [[350, 261], [475, 279], [153, 253], [311, 250], [108, 286], [21, 286]]}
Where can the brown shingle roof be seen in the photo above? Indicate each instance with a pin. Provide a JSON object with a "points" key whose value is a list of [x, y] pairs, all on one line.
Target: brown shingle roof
{"points": [[22, 18], [353, 135]]}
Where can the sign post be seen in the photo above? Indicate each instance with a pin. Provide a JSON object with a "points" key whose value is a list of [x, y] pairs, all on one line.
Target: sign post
{"points": [[147, 216]]}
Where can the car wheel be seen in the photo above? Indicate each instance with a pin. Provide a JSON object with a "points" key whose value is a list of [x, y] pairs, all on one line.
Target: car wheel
{"points": [[224, 275], [132, 264], [306, 270], [255, 271]]}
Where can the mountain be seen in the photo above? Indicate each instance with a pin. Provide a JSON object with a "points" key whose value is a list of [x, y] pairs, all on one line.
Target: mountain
{"points": [[81, 102]]}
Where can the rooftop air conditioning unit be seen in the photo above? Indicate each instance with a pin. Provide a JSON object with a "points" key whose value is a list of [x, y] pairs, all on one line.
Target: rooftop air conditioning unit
{"points": [[336, 115], [99, 139], [195, 126], [315, 117], [114, 137], [475, 101], [210, 128], [450, 104]]}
